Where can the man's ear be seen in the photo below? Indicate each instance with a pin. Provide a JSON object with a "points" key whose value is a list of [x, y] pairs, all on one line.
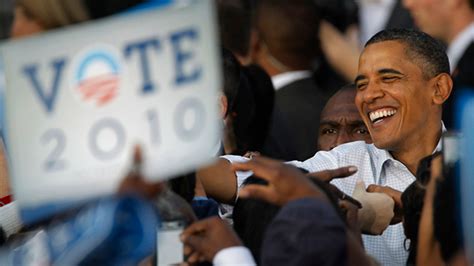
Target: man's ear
{"points": [[224, 106], [443, 85]]}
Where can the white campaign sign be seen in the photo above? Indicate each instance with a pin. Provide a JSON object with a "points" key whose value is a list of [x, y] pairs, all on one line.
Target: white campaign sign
{"points": [[78, 100]]}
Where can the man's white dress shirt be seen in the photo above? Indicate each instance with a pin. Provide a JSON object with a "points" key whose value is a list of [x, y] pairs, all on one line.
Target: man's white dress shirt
{"points": [[459, 45], [375, 166], [234, 256], [281, 80], [373, 15]]}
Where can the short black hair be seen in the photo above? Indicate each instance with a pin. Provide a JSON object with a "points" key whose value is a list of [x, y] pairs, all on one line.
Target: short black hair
{"points": [[447, 224], [232, 76], [253, 216], [413, 199], [235, 23], [264, 94], [290, 30], [425, 50]]}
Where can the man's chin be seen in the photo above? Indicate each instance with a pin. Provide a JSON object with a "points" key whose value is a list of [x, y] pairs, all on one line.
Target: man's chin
{"points": [[382, 144]]}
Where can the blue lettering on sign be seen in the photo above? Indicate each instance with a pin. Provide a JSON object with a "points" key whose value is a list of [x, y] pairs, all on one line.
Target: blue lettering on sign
{"points": [[187, 69], [141, 48], [182, 57], [31, 71], [119, 132], [194, 106]]}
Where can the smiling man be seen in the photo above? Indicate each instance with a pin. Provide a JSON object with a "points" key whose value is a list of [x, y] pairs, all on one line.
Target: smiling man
{"points": [[403, 80]]}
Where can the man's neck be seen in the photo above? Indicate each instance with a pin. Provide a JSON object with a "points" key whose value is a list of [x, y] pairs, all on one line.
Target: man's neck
{"points": [[269, 68], [274, 67], [411, 155], [463, 20]]}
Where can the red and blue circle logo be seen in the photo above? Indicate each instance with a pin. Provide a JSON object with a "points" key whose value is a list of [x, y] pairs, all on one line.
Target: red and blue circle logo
{"points": [[97, 77]]}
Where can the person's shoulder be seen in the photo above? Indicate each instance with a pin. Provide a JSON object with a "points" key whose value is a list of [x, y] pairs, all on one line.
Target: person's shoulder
{"points": [[357, 152], [301, 85], [356, 147]]}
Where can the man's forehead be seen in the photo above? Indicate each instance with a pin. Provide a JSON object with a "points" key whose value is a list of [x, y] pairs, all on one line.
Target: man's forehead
{"points": [[340, 110], [382, 56], [386, 49]]}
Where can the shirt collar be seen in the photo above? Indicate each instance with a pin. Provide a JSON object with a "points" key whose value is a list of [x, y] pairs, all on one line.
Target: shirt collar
{"points": [[283, 79], [383, 156], [459, 45]]}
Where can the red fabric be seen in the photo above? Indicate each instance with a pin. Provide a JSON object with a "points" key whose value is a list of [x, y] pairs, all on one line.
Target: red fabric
{"points": [[5, 200]]}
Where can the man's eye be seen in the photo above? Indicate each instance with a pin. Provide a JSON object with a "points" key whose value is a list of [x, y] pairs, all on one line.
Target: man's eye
{"points": [[362, 131], [390, 78], [361, 85], [327, 131]]}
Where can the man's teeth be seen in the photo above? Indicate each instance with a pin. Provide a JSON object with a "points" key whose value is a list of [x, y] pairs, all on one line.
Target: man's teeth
{"points": [[381, 114]]}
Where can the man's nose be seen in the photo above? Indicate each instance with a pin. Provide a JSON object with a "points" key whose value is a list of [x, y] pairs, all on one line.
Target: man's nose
{"points": [[372, 92], [343, 137]]}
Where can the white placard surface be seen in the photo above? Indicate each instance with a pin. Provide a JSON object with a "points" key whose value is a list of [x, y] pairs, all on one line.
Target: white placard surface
{"points": [[78, 100]]}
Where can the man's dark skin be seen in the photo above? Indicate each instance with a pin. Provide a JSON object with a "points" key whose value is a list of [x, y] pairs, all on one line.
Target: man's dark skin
{"points": [[341, 122], [285, 183]]}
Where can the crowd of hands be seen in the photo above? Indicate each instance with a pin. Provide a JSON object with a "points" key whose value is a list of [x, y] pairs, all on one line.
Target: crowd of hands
{"points": [[203, 239]]}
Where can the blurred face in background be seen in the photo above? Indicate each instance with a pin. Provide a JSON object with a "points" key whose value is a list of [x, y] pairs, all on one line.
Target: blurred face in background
{"points": [[341, 122], [24, 24], [431, 16]]}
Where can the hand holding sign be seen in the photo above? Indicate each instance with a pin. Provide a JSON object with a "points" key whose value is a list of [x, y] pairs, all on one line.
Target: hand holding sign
{"points": [[134, 182], [84, 106]]}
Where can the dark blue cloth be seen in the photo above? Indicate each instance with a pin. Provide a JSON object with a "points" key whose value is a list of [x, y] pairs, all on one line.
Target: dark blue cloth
{"points": [[305, 232], [109, 231], [204, 207]]}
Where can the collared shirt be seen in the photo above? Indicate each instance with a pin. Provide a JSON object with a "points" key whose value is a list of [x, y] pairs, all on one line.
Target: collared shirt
{"points": [[375, 166], [281, 80], [374, 15], [459, 45], [234, 256]]}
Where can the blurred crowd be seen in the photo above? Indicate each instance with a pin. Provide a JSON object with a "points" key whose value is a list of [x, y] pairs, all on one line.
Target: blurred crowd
{"points": [[334, 114]]}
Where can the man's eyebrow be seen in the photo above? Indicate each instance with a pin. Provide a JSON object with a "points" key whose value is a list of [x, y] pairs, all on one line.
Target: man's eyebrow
{"points": [[381, 71], [328, 123], [357, 123], [389, 71], [359, 77]]}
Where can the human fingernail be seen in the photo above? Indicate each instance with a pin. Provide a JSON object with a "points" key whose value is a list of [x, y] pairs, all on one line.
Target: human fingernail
{"points": [[352, 169]]}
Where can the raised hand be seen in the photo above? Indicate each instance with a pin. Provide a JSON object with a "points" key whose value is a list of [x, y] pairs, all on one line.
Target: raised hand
{"points": [[329, 175], [285, 182], [204, 239]]}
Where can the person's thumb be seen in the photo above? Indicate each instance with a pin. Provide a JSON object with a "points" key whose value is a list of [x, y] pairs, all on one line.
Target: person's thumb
{"points": [[359, 189], [196, 242]]}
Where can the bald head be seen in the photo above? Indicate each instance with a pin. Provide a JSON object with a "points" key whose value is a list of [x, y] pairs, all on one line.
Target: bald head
{"points": [[340, 121]]}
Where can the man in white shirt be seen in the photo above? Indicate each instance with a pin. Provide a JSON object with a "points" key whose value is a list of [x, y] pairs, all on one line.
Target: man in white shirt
{"points": [[403, 80], [451, 21]]}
